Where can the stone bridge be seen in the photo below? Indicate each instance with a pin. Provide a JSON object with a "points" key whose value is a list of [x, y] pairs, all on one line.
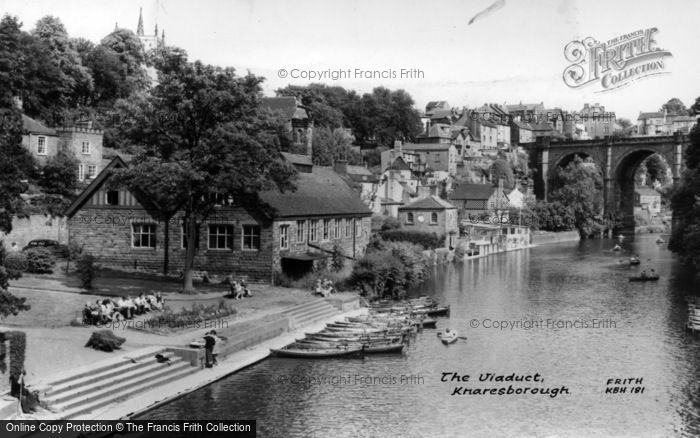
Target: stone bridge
{"points": [[618, 160]]}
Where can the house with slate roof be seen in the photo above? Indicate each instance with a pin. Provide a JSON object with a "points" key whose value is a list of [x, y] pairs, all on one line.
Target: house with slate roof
{"points": [[287, 233], [480, 200], [431, 215], [83, 142], [436, 156]]}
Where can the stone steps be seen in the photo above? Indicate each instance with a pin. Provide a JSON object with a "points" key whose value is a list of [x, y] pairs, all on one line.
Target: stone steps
{"points": [[309, 313], [111, 381]]}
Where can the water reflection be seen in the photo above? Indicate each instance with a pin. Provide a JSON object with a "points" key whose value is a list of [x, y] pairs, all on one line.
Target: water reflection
{"points": [[576, 282]]}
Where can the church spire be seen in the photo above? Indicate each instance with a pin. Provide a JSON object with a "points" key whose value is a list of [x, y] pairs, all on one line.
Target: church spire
{"points": [[139, 28]]}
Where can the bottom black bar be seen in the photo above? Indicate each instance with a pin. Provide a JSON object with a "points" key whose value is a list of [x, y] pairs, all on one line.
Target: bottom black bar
{"points": [[127, 428]]}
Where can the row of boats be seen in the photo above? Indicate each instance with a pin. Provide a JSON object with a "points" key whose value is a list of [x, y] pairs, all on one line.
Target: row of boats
{"points": [[385, 329], [693, 323]]}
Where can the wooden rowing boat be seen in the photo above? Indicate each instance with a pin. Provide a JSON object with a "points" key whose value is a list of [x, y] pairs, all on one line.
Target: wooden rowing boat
{"points": [[644, 278], [449, 337], [316, 353]]}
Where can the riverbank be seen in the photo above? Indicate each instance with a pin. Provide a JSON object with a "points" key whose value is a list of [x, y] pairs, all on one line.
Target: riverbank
{"points": [[547, 237], [232, 363]]}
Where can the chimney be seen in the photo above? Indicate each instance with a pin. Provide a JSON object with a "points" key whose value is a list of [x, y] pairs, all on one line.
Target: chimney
{"points": [[341, 167], [427, 127], [424, 191], [500, 185]]}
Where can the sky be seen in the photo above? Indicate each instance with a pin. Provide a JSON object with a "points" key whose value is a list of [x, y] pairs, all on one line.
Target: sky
{"points": [[511, 55]]}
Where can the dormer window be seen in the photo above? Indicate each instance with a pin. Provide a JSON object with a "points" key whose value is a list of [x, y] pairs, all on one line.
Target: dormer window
{"points": [[85, 147]]}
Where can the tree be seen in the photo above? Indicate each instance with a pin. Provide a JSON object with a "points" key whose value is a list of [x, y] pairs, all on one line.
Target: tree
{"points": [[132, 59], [501, 170], [9, 304], [685, 202], [74, 83], [16, 165], [59, 176], [332, 145], [579, 186], [207, 137], [674, 107]]}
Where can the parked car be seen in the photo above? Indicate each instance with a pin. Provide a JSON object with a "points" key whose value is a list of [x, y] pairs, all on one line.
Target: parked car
{"points": [[56, 248]]}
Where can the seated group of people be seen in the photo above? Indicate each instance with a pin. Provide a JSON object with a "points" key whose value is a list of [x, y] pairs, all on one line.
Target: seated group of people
{"points": [[324, 287], [110, 310], [238, 289]]}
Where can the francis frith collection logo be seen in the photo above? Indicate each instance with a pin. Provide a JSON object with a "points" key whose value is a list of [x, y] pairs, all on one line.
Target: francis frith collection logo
{"points": [[615, 63]]}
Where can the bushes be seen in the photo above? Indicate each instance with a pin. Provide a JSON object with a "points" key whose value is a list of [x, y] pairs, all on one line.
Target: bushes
{"points": [[86, 269], [426, 240], [189, 318], [105, 340], [390, 270], [16, 263], [337, 259], [40, 261]]}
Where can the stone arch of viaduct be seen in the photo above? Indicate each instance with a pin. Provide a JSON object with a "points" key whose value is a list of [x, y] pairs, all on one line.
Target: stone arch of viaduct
{"points": [[618, 160]]}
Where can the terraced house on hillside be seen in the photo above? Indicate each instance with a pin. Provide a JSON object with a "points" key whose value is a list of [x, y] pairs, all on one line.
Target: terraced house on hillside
{"points": [[299, 228]]}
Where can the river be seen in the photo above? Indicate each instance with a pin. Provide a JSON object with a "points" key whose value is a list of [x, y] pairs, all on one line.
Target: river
{"points": [[545, 295]]}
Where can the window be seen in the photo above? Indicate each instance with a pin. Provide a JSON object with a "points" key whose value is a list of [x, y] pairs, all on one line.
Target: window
{"points": [[143, 235], [81, 172], [433, 218], [358, 226], [336, 229], [184, 235], [300, 231], [92, 171], [313, 231], [326, 229], [220, 236], [284, 236], [220, 199], [113, 197], [41, 145], [86, 147], [409, 218], [348, 227], [251, 237]]}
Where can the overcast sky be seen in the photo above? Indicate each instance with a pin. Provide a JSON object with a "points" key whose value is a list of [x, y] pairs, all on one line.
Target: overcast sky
{"points": [[513, 54]]}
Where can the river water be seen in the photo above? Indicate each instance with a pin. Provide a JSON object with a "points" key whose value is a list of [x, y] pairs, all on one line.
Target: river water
{"points": [[545, 295]]}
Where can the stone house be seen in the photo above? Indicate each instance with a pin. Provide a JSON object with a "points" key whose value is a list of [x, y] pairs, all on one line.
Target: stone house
{"points": [[286, 234], [647, 199], [480, 201], [83, 142], [436, 156], [431, 215], [40, 140]]}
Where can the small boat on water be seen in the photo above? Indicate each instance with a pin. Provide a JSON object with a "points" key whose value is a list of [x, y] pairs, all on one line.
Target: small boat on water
{"points": [[617, 248], [659, 241], [449, 336], [635, 261], [433, 311], [368, 348], [317, 353], [644, 277]]}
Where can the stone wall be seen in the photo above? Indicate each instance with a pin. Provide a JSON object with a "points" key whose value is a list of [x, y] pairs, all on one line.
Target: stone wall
{"points": [[109, 238], [351, 246], [35, 227], [543, 238]]}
